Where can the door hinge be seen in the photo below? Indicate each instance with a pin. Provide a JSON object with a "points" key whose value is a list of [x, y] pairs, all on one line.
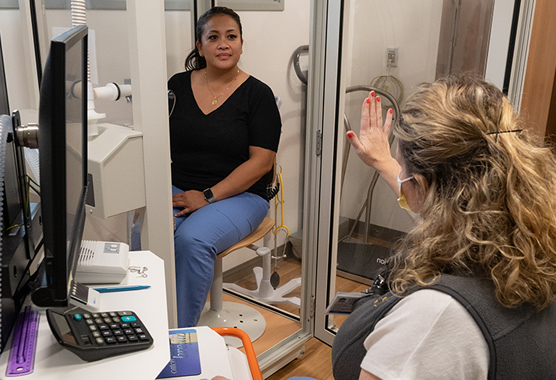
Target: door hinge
{"points": [[312, 310], [319, 143]]}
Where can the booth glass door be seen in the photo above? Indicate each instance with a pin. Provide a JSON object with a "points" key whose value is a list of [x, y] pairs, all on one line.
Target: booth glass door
{"points": [[389, 47]]}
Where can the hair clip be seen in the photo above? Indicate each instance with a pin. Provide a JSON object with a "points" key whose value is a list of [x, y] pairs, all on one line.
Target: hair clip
{"points": [[498, 132]]}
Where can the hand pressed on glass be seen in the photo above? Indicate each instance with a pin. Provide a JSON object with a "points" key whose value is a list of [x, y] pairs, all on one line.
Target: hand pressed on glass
{"points": [[372, 145]]}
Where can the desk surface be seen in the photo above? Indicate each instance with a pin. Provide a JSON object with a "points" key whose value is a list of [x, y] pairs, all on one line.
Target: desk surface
{"points": [[52, 361]]}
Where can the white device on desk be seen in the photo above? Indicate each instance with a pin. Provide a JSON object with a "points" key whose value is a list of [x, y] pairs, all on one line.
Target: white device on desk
{"points": [[102, 262]]}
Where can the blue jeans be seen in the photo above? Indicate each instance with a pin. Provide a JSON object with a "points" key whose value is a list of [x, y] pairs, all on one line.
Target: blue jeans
{"points": [[199, 237]]}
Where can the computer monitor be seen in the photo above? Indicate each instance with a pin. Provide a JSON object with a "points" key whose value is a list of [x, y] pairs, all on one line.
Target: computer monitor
{"points": [[63, 163]]}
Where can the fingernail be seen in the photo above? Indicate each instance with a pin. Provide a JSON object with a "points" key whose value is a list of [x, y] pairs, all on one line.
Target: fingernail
{"points": [[373, 94], [350, 134], [367, 100], [378, 98], [390, 111]]}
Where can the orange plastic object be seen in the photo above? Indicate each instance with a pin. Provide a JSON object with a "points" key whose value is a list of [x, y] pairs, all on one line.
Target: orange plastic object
{"points": [[247, 346]]}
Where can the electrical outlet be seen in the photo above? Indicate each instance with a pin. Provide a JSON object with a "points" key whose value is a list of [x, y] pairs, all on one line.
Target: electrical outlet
{"points": [[392, 57]]}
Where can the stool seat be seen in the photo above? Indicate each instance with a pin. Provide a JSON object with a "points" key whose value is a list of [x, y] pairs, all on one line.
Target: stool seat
{"points": [[264, 228]]}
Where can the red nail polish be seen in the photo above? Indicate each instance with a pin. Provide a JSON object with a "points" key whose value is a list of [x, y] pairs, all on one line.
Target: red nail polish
{"points": [[390, 111], [350, 134], [373, 94], [367, 100], [378, 98]]}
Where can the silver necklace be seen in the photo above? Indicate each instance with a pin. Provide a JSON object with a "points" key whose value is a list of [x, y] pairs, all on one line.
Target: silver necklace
{"points": [[215, 100]]}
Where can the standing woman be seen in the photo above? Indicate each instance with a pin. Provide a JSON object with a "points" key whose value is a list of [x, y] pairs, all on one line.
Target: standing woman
{"points": [[224, 133]]}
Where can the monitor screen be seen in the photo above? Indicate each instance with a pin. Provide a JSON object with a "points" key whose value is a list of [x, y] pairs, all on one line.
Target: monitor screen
{"points": [[63, 162]]}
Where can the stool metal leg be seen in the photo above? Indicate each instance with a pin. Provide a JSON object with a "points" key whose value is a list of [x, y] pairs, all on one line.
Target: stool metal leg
{"points": [[230, 314]]}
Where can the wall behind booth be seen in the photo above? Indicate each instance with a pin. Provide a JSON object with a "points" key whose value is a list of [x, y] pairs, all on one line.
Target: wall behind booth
{"points": [[16, 60], [270, 39]]}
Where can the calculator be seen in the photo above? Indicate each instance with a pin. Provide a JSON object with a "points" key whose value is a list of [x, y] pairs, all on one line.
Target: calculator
{"points": [[95, 336]]}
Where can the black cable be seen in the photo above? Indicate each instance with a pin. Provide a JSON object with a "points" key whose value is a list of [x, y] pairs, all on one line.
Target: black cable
{"points": [[171, 98], [36, 45], [272, 191]]}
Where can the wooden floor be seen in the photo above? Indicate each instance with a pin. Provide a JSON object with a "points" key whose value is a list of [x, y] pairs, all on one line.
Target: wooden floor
{"points": [[316, 360], [315, 363], [277, 327]]}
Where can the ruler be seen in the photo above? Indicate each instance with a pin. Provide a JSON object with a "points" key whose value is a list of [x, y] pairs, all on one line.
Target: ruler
{"points": [[24, 343]]}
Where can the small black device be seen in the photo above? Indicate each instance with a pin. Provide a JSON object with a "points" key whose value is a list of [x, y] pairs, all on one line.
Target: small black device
{"points": [[209, 196], [95, 336], [380, 285]]}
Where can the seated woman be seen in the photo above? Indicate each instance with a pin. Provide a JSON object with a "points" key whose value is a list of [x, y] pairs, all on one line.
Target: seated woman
{"points": [[224, 133], [472, 288]]}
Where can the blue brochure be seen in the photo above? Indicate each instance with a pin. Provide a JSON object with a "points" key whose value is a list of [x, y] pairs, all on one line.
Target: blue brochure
{"points": [[184, 353]]}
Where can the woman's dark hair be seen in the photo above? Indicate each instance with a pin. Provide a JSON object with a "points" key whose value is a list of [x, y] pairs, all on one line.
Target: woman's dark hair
{"points": [[194, 61]]}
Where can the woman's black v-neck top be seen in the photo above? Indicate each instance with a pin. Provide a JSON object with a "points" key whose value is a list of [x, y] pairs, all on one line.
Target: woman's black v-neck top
{"points": [[205, 149]]}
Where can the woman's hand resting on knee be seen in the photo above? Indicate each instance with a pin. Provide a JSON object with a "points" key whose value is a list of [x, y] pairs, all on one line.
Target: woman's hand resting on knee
{"points": [[189, 201]]}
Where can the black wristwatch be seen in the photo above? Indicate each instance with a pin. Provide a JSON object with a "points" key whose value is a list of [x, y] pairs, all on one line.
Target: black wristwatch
{"points": [[209, 196]]}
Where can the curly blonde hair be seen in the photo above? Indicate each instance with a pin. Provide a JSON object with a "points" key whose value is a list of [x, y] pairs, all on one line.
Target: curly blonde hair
{"points": [[491, 205]]}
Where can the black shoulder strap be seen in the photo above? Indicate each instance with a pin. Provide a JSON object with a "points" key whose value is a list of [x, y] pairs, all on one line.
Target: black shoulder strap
{"points": [[348, 350]]}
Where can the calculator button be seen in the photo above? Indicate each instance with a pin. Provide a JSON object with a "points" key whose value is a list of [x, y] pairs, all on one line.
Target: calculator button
{"points": [[110, 340], [87, 315], [96, 334], [96, 315], [89, 321], [103, 327], [122, 313], [107, 320], [93, 328], [128, 332], [124, 325], [104, 315], [143, 337], [132, 338], [129, 318], [98, 321], [121, 339], [106, 333], [77, 317], [99, 340], [138, 330], [116, 319], [117, 332], [114, 326], [112, 314]]}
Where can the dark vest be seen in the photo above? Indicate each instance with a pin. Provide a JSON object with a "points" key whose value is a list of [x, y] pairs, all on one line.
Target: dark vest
{"points": [[521, 341]]}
